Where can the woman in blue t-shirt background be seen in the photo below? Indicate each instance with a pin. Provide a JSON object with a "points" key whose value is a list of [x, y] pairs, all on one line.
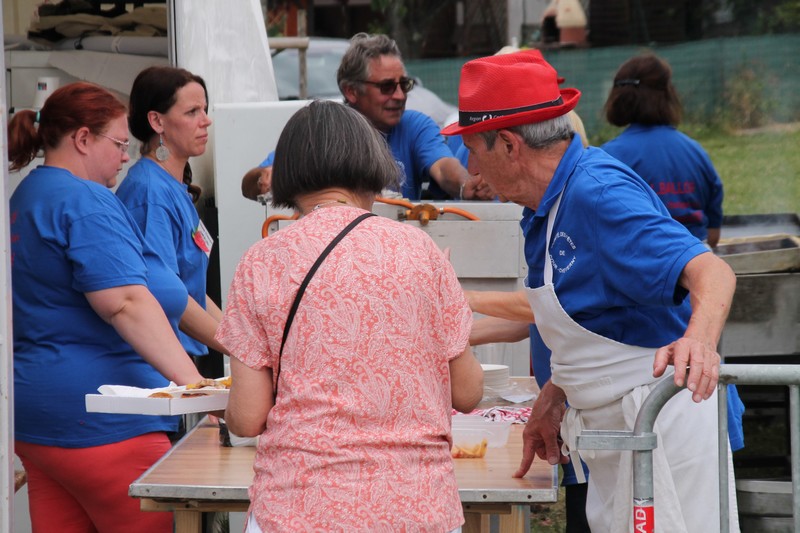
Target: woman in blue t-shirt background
{"points": [[677, 168]]}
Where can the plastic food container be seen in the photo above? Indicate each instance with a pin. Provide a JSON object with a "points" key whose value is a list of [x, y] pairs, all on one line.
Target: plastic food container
{"points": [[473, 434]]}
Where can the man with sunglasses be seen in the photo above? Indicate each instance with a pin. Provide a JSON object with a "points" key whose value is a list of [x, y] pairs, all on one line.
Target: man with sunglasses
{"points": [[373, 81]]}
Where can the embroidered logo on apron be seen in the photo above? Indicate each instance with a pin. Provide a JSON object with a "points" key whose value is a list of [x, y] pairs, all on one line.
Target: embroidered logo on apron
{"points": [[562, 252]]}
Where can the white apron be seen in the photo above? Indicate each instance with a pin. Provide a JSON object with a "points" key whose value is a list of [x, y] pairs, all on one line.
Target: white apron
{"points": [[606, 383]]}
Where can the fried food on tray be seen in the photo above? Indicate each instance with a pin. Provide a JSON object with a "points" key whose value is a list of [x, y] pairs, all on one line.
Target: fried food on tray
{"points": [[469, 452], [205, 382], [222, 383], [195, 389]]}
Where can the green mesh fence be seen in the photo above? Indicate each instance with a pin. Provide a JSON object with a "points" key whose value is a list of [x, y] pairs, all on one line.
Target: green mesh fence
{"points": [[744, 81]]}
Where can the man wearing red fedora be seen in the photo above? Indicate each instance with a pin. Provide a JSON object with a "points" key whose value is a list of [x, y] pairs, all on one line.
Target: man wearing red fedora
{"points": [[620, 293]]}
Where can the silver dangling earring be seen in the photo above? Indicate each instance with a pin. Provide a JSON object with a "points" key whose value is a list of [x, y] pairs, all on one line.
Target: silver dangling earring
{"points": [[162, 152]]}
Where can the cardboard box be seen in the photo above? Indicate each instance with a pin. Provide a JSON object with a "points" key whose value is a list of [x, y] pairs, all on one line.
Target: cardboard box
{"points": [[100, 403]]}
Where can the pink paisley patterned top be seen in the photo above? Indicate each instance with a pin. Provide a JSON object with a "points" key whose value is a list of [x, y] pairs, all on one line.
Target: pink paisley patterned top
{"points": [[359, 438]]}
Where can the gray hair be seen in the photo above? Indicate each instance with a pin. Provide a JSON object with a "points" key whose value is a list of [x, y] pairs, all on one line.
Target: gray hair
{"points": [[537, 135], [364, 47], [327, 144]]}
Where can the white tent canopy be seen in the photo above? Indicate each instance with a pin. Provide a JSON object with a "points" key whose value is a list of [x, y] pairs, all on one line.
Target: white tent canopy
{"points": [[226, 44]]}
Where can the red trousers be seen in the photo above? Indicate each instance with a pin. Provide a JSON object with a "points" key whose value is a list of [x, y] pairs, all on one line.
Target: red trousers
{"points": [[85, 490]]}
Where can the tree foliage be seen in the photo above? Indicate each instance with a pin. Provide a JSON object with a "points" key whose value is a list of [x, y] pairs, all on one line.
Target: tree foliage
{"points": [[765, 16], [408, 22]]}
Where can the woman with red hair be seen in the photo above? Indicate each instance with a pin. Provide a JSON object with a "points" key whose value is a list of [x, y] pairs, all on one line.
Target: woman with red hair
{"points": [[92, 306]]}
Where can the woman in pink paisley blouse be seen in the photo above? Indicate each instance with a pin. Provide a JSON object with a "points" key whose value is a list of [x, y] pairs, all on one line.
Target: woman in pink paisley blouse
{"points": [[353, 411]]}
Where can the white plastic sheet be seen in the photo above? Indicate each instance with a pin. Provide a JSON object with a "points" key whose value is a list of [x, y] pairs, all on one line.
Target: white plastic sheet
{"points": [[226, 44]]}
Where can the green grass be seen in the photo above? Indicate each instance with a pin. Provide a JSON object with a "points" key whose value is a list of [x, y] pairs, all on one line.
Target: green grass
{"points": [[549, 517], [760, 171]]}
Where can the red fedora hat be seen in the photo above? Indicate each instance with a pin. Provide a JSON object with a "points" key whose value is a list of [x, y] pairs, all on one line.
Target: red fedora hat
{"points": [[503, 91]]}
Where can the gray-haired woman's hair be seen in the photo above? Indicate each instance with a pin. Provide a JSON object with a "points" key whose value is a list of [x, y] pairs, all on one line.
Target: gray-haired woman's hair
{"points": [[327, 144], [364, 47], [537, 135]]}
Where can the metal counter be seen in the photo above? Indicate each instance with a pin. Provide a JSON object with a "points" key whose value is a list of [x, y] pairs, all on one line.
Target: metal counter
{"points": [[764, 320]]}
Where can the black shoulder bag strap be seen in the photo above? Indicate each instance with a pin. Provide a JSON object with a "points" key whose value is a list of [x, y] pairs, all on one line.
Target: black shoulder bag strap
{"points": [[307, 279]]}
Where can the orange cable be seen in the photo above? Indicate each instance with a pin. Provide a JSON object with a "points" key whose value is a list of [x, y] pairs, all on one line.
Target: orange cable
{"points": [[275, 218], [457, 211], [394, 201]]}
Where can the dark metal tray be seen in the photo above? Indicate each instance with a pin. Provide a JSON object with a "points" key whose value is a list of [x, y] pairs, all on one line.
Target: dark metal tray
{"points": [[760, 224]]}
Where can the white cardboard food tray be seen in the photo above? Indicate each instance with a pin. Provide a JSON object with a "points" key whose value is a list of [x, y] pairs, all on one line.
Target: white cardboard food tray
{"points": [[137, 401], [99, 403]]}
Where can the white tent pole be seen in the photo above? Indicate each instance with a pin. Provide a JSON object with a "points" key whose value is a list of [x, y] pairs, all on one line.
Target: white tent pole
{"points": [[6, 351], [172, 34]]}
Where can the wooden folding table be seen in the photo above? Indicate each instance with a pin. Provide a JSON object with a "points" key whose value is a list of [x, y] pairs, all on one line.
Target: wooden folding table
{"points": [[199, 475]]}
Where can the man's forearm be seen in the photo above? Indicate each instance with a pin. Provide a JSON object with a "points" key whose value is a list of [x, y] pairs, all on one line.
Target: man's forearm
{"points": [[508, 305], [450, 175], [711, 284], [491, 329]]}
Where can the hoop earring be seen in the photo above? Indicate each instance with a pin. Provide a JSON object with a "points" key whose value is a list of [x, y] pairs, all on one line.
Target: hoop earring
{"points": [[162, 152]]}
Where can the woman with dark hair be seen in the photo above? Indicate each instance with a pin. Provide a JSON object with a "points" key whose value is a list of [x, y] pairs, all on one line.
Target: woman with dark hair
{"points": [[348, 350], [676, 167], [168, 115], [92, 306]]}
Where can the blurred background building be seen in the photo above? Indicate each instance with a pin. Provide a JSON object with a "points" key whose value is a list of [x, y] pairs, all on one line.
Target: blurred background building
{"points": [[734, 61]]}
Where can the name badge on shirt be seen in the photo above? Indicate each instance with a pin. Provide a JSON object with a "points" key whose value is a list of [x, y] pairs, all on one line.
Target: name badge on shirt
{"points": [[203, 239]]}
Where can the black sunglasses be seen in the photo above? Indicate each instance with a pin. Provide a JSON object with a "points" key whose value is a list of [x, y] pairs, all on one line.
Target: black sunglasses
{"points": [[390, 86]]}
